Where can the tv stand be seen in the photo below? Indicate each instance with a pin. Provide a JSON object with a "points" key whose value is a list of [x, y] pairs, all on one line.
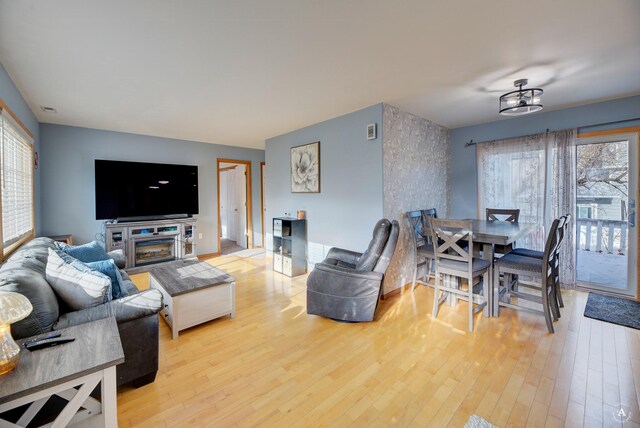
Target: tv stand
{"points": [[150, 242]]}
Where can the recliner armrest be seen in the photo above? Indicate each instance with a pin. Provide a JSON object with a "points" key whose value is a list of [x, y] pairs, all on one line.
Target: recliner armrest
{"points": [[352, 273], [346, 256], [345, 282], [145, 303]]}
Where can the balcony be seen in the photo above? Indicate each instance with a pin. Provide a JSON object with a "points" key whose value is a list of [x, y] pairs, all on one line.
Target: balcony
{"points": [[602, 252]]}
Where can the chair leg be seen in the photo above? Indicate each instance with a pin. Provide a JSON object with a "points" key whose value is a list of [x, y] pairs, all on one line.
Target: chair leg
{"points": [[555, 310], [486, 293], [436, 296], [415, 273], [559, 295], [496, 292], [470, 294], [546, 307]]}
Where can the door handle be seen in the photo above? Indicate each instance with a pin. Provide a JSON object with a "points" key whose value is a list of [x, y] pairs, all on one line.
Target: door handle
{"points": [[631, 219]]}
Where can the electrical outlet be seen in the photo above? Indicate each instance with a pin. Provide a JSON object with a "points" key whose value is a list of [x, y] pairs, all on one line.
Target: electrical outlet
{"points": [[199, 235]]}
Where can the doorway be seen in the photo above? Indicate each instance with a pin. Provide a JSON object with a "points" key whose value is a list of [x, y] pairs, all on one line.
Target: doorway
{"points": [[263, 209], [606, 198], [235, 223]]}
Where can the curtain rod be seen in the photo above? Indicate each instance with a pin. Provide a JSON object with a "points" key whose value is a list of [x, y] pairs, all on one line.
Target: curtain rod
{"points": [[473, 143]]}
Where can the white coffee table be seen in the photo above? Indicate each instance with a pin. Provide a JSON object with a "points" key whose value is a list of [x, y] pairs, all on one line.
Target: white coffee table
{"points": [[193, 293]]}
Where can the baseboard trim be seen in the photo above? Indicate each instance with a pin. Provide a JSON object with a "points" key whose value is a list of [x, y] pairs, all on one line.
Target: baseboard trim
{"points": [[402, 290], [208, 255], [395, 292]]}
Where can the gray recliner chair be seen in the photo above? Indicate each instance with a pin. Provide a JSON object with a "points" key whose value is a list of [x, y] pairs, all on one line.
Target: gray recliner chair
{"points": [[346, 286]]}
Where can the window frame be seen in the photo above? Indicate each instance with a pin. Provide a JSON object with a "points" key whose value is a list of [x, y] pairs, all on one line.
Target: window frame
{"points": [[21, 127]]}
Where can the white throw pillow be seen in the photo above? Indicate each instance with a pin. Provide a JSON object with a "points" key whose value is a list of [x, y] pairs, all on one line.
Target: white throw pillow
{"points": [[75, 283]]}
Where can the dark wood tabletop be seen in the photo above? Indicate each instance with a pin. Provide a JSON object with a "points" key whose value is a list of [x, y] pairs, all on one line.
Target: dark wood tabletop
{"points": [[96, 347], [500, 232], [181, 278]]}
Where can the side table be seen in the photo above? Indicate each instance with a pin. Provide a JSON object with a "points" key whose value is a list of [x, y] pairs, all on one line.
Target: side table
{"points": [[67, 239], [71, 371]]}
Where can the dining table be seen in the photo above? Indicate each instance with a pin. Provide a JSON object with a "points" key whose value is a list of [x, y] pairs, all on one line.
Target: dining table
{"points": [[487, 234]]}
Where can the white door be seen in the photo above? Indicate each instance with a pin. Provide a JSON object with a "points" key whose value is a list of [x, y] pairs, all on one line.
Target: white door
{"points": [[232, 211], [241, 204], [224, 203], [606, 213]]}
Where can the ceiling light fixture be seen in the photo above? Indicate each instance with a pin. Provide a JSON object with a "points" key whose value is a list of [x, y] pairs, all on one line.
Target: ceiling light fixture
{"points": [[521, 101]]}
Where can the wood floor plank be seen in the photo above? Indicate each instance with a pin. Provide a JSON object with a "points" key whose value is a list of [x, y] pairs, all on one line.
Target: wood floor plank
{"points": [[274, 365]]}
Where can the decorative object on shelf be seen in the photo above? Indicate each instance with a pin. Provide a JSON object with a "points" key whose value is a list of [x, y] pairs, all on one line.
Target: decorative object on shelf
{"points": [[305, 168], [521, 101], [371, 131], [13, 308], [302, 214]]}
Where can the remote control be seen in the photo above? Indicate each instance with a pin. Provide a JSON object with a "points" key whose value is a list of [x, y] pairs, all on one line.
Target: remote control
{"points": [[46, 343], [37, 339]]}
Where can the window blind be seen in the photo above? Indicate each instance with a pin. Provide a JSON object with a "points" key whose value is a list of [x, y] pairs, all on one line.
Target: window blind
{"points": [[16, 159]]}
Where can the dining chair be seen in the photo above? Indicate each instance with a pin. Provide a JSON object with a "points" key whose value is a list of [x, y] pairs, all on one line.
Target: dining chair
{"points": [[563, 228], [542, 270], [420, 242], [454, 260], [500, 214]]}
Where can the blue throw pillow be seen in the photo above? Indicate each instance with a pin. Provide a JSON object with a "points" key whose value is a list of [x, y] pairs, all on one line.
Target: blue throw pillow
{"points": [[109, 268], [91, 252]]}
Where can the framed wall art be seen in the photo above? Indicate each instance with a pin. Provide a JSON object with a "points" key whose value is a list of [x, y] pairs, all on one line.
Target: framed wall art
{"points": [[305, 168]]}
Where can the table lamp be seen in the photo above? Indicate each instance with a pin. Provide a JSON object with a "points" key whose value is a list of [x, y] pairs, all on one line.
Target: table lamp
{"points": [[13, 308]]}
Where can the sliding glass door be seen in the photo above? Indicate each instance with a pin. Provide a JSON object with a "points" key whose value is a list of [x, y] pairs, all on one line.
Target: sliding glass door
{"points": [[606, 204]]}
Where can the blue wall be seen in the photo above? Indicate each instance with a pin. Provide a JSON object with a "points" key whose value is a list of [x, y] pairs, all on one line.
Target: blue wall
{"points": [[464, 183], [350, 200], [12, 97], [67, 159]]}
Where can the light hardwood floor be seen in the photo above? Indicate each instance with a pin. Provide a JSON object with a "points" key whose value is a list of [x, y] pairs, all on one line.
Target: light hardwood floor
{"points": [[274, 365]]}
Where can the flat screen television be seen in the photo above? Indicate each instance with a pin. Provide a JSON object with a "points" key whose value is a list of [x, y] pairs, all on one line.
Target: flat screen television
{"points": [[137, 189]]}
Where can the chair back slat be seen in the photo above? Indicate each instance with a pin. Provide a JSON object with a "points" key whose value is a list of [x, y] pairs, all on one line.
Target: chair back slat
{"points": [[448, 234], [413, 223], [500, 214], [426, 215]]}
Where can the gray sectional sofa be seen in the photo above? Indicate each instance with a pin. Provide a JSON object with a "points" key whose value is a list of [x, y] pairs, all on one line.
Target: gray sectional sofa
{"points": [[136, 314]]}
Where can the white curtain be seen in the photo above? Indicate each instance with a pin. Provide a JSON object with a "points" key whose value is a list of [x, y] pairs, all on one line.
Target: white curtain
{"points": [[536, 174]]}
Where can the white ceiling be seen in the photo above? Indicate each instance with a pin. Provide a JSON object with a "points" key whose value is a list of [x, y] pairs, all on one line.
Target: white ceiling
{"points": [[237, 72]]}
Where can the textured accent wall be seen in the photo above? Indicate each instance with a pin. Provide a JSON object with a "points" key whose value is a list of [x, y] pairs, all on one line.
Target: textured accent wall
{"points": [[415, 176]]}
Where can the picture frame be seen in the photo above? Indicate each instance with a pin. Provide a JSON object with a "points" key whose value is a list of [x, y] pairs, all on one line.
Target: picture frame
{"points": [[305, 168]]}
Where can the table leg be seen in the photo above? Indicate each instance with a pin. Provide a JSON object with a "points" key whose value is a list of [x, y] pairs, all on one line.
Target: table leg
{"points": [[109, 398], [487, 254]]}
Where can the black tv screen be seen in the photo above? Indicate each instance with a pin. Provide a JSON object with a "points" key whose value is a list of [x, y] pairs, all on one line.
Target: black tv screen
{"points": [[137, 189]]}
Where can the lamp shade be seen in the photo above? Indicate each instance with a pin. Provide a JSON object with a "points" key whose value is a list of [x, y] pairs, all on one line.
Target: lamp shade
{"points": [[13, 307]]}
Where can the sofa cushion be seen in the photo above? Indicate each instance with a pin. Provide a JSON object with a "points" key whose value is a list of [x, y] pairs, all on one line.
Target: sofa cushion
{"points": [[109, 268], [35, 249], [75, 283], [145, 303], [31, 284], [91, 252], [370, 257]]}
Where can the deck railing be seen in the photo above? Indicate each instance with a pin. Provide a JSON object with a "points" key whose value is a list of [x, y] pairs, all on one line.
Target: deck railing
{"points": [[609, 236]]}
